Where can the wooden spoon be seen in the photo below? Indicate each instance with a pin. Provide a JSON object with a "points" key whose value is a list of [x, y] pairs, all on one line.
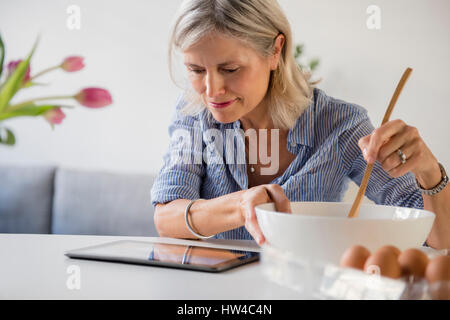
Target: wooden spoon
{"points": [[354, 211]]}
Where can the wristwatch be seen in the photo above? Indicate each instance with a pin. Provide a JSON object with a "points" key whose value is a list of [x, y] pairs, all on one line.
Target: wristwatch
{"points": [[441, 185]]}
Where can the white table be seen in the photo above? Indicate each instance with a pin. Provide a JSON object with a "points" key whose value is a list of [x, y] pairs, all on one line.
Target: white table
{"points": [[35, 267]]}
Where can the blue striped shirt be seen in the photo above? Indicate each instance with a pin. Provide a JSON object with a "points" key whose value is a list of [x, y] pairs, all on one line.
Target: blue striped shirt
{"points": [[324, 140]]}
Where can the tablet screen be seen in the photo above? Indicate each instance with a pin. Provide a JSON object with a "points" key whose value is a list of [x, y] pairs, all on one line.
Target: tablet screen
{"points": [[168, 255]]}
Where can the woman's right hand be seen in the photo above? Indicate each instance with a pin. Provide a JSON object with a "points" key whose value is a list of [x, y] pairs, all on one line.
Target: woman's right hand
{"points": [[260, 195]]}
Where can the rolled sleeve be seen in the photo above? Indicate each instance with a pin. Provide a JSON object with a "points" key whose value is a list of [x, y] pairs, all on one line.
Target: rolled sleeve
{"points": [[183, 169]]}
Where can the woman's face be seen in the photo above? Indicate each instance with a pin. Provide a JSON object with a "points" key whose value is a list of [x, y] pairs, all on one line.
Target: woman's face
{"points": [[222, 69]]}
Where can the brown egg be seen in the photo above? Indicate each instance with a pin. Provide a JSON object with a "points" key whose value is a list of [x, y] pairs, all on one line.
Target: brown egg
{"points": [[354, 257], [413, 262], [385, 263], [438, 269], [391, 249]]}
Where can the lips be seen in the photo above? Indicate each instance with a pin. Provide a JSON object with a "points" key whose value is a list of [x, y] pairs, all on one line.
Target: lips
{"points": [[222, 104]]}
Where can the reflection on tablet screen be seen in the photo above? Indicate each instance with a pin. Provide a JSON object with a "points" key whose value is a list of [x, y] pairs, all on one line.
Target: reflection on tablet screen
{"points": [[193, 254]]}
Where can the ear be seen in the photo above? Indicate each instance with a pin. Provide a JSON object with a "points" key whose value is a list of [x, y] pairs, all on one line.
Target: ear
{"points": [[279, 44]]}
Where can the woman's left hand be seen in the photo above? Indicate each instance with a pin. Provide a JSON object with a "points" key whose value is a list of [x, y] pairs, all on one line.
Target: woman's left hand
{"points": [[383, 144]]}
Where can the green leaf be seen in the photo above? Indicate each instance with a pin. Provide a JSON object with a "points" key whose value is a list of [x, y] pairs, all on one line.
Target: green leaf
{"points": [[7, 137], [298, 50], [14, 82], [313, 64], [2, 54], [29, 84], [30, 110]]}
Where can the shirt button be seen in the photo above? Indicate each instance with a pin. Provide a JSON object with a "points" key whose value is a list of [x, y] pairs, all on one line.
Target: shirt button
{"points": [[293, 144]]}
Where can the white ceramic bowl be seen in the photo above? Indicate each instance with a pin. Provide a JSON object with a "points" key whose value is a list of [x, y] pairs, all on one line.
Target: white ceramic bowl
{"points": [[321, 231]]}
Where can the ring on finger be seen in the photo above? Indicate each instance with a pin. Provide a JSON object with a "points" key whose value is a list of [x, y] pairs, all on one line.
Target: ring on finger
{"points": [[402, 156]]}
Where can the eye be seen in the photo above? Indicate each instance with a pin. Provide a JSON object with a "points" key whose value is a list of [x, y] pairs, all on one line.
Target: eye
{"points": [[196, 71], [231, 70]]}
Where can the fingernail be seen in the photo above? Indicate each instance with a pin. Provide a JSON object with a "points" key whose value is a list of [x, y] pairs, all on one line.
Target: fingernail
{"points": [[262, 240], [365, 153]]}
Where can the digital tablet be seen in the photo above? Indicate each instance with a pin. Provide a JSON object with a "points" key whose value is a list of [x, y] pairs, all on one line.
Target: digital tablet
{"points": [[166, 255]]}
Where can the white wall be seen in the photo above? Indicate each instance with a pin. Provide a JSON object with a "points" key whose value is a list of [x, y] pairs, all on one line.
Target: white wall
{"points": [[125, 45]]}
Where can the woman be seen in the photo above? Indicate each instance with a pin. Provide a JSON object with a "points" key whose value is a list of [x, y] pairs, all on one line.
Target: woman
{"points": [[247, 96]]}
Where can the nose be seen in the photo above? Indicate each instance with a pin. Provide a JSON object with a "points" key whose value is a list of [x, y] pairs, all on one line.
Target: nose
{"points": [[214, 85]]}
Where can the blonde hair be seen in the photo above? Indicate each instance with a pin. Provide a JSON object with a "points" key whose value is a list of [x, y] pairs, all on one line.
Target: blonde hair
{"points": [[256, 23]]}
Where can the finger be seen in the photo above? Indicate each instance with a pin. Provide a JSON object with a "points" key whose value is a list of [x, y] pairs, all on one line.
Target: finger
{"points": [[363, 143], [403, 169], [394, 160], [395, 143], [380, 136], [276, 193], [251, 224]]}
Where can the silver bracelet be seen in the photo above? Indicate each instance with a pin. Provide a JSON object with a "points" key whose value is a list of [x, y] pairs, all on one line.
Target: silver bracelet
{"points": [[440, 186], [186, 212], [185, 255]]}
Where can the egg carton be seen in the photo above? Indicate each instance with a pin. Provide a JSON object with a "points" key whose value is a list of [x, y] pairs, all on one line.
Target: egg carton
{"points": [[327, 281]]}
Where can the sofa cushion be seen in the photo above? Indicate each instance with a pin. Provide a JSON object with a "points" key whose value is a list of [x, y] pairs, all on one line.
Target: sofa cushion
{"points": [[26, 194], [101, 203]]}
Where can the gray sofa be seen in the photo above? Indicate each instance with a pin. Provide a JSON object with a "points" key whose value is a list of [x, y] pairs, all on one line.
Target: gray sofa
{"points": [[54, 200]]}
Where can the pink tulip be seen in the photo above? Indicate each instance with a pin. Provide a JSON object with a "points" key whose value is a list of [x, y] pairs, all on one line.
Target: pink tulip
{"points": [[54, 116], [93, 97], [72, 64], [11, 67]]}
